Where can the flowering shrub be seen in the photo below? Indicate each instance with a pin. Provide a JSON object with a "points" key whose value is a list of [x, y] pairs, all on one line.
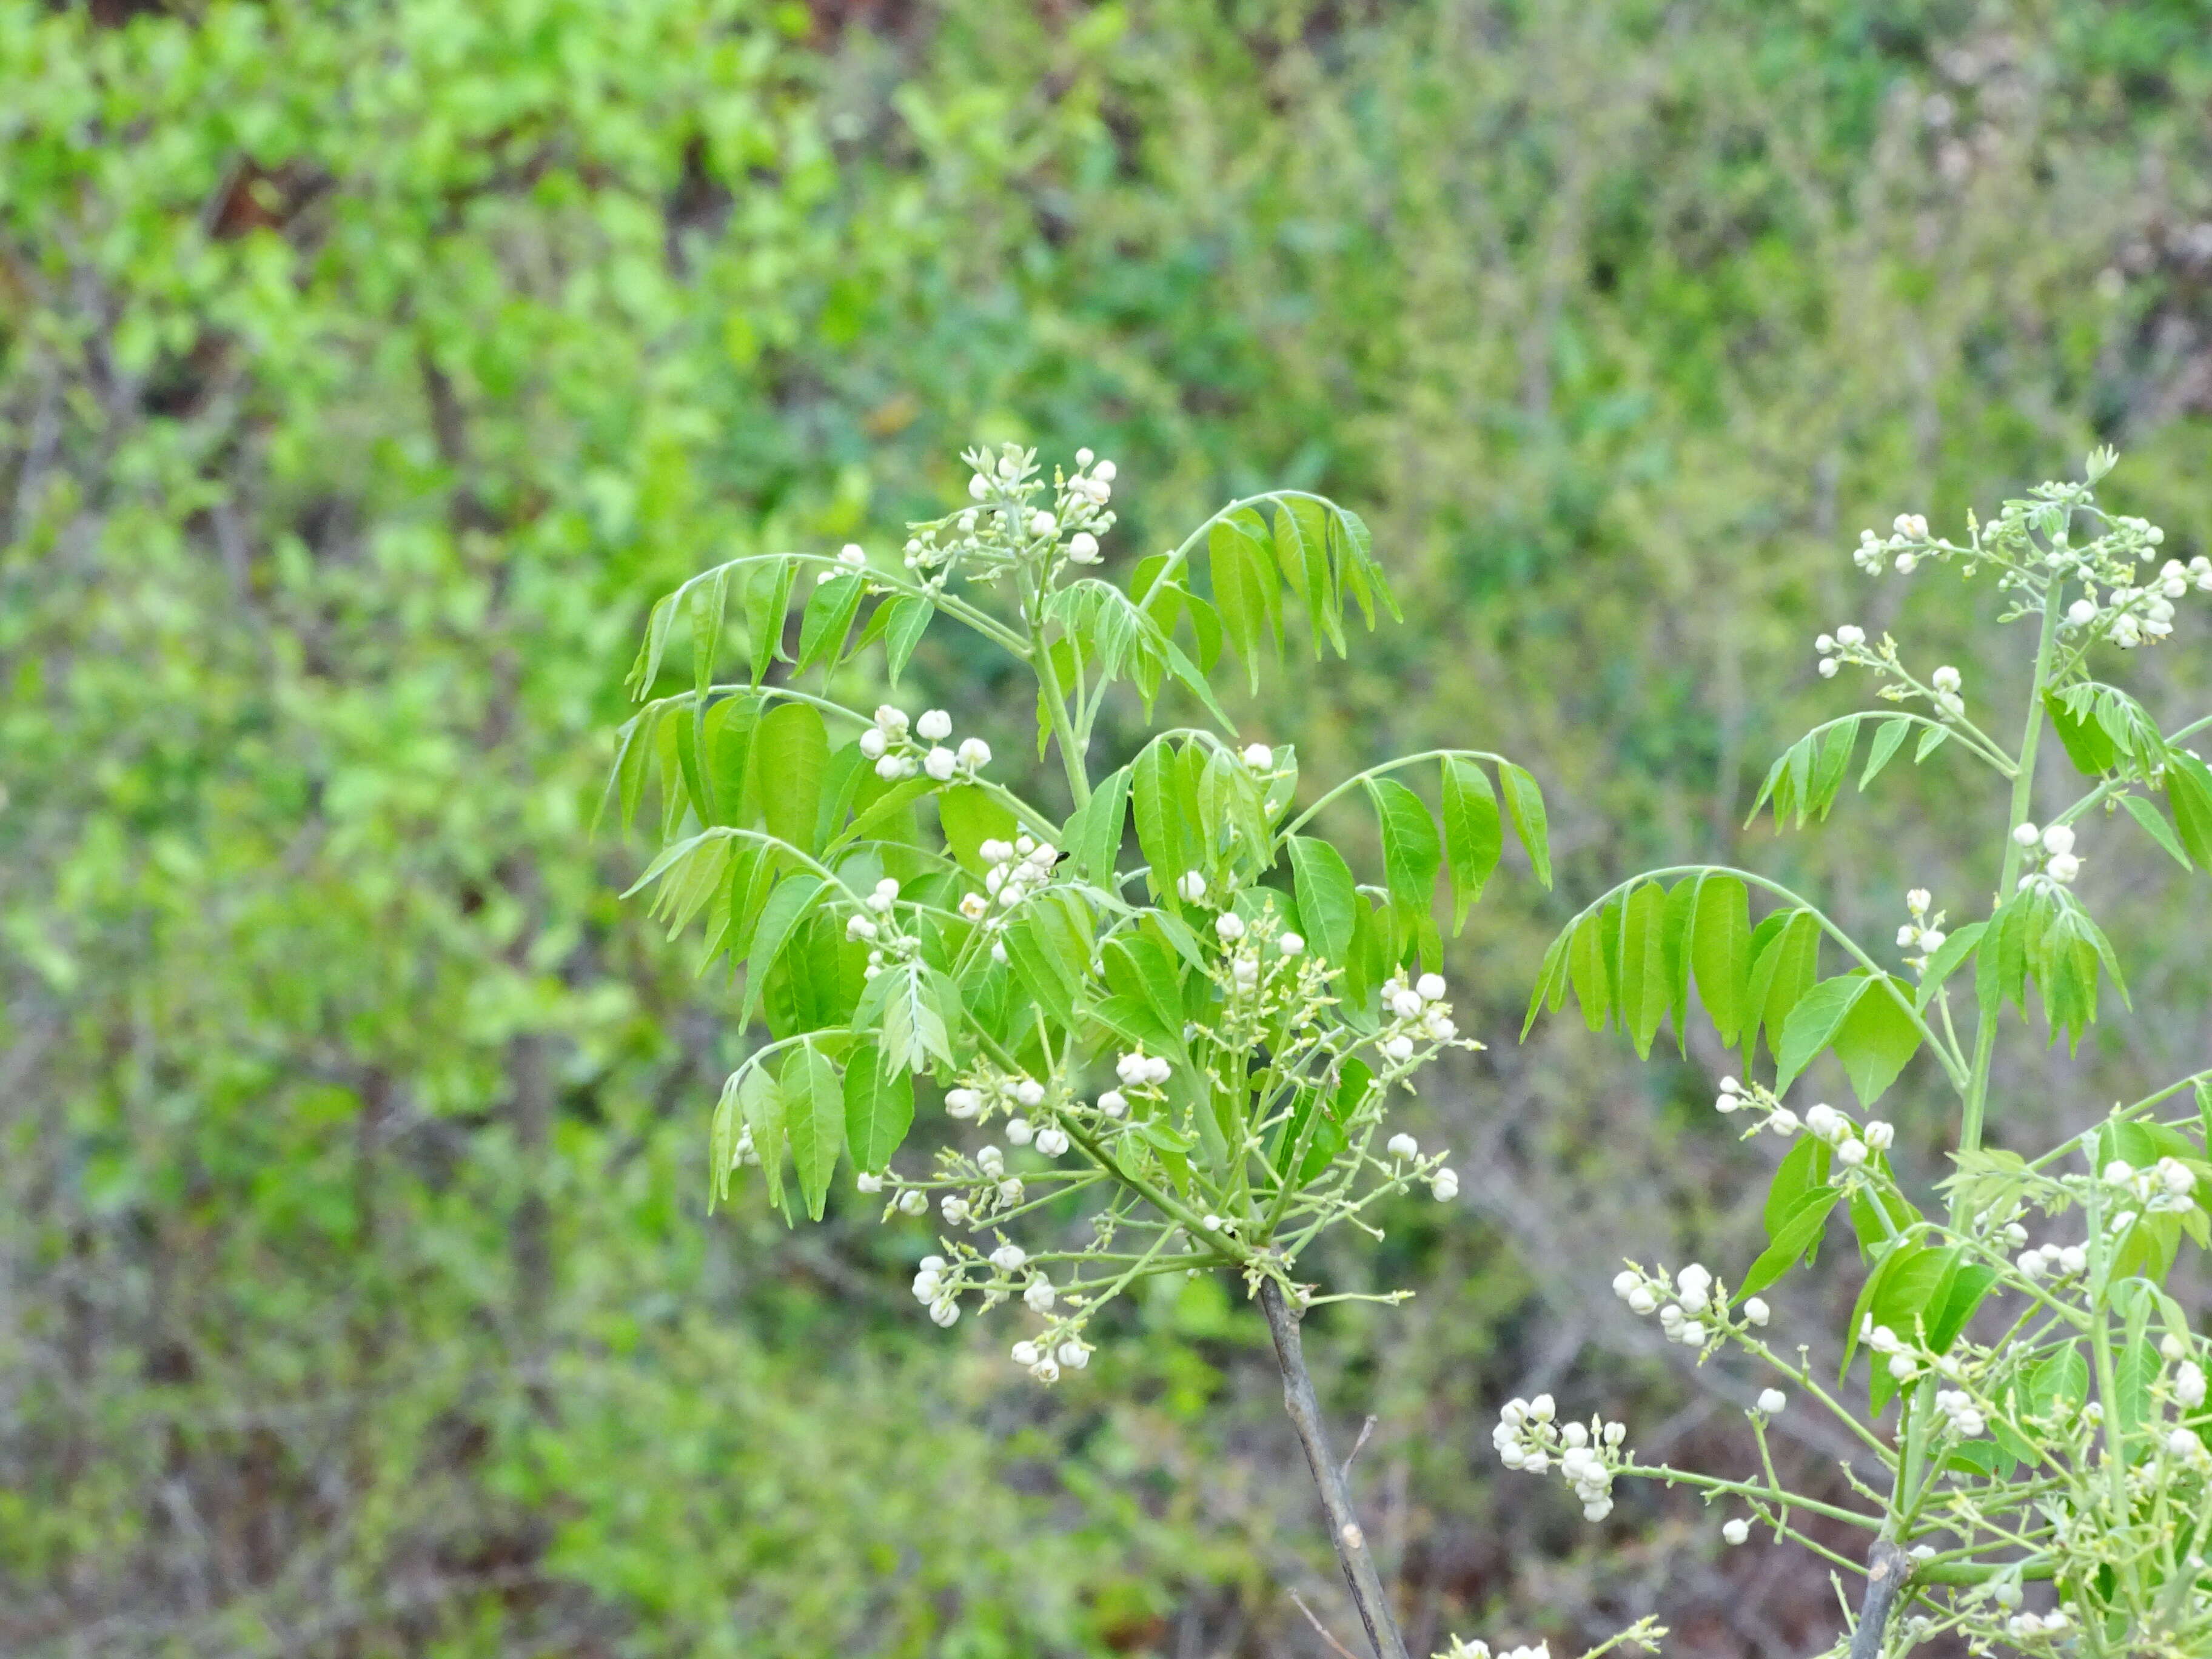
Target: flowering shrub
{"points": [[2033, 1396], [1183, 1064]]}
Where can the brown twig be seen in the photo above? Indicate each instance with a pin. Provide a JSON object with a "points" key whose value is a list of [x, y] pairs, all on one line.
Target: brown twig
{"points": [[1345, 1533], [1344, 1473], [1319, 1629]]}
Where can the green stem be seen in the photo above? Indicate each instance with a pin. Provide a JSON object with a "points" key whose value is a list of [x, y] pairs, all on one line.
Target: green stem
{"points": [[2023, 800]]}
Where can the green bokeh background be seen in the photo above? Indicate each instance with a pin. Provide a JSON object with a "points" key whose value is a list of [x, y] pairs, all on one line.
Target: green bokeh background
{"points": [[367, 369]]}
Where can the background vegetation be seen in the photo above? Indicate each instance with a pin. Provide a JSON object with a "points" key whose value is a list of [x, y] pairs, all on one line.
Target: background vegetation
{"points": [[367, 366]]}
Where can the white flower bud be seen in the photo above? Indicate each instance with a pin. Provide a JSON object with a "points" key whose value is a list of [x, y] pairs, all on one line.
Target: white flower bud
{"points": [[973, 753], [1103, 472], [1024, 1354], [2081, 612], [1192, 886], [1430, 987], [962, 1102], [1772, 1400], [1443, 1186], [934, 727], [859, 927], [1083, 548], [2026, 835], [1828, 667], [2058, 838], [939, 763], [1880, 1136], [1946, 679], [1406, 1004], [1051, 1142], [1851, 634], [1641, 1300], [1735, 1531], [1259, 756], [2063, 868], [872, 743], [1229, 926], [1404, 1145], [1756, 1310], [913, 1201], [868, 1183], [1113, 1103], [1291, 944], [1074, 1355], [1398, 1049], [1041, 523]]}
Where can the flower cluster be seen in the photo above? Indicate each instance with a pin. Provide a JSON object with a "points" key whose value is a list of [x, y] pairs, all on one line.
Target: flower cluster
{"points": [[1693, 1307], [1465, 1650], [902, 748], [2054, 847], [1943, 689], [1923, 933], [1852, 1144], [1012, 870], [1417, 1018], [1588, 1455], [1009, 523]]}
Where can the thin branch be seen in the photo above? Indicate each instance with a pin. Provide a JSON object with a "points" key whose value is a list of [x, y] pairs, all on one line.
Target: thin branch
{"points": [[1319, 1629], [1345, 1533], [1887, 1568], [1365, 1428]]}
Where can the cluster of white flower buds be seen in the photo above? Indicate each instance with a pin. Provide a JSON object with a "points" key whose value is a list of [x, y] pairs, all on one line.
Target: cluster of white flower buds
{"points": [[1008, 523], [1588, 1455], [933, 1292], [1924, 934], [2023, 1626], [2055, 848], [1465, 1650], [876, 923], [2052, 1262], [1692, 1307], [903, 749], [850, 557], [1848, 644], [1415, 1016], [1902, 549], [2167, 1187], [1853, 1145], [1444, 1181], [1012, 870], [1964, 1416]]}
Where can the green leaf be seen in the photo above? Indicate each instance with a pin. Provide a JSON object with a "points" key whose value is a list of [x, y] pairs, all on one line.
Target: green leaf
{"points": [[1877, 1037], [1412, 853], [1142, 970], [1720, 953], [1887, 738], [768, 597], [762, 1098], [1969, 1286], [1802, 1170], [814, 1118], [1473, 833], [1524, 804], [788, 906], [1811, 1024], [1244, 578], [909, 620], [1328, 899], [1589, 969], [725, 741], [1156, 796], [879, 1109], [827, 619], [1799, 1231], [2062, 1378], [1093, 832], [1782, 972], [2155, 826], [1955, 949], [709, 597], [969, 817], [2189, 794], [1641, 973], [2087, 745], [790, 760], [914, 1031]]}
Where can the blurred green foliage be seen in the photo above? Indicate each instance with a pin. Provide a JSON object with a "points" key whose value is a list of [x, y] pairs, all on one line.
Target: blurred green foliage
{"points": [[367, 365]]}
